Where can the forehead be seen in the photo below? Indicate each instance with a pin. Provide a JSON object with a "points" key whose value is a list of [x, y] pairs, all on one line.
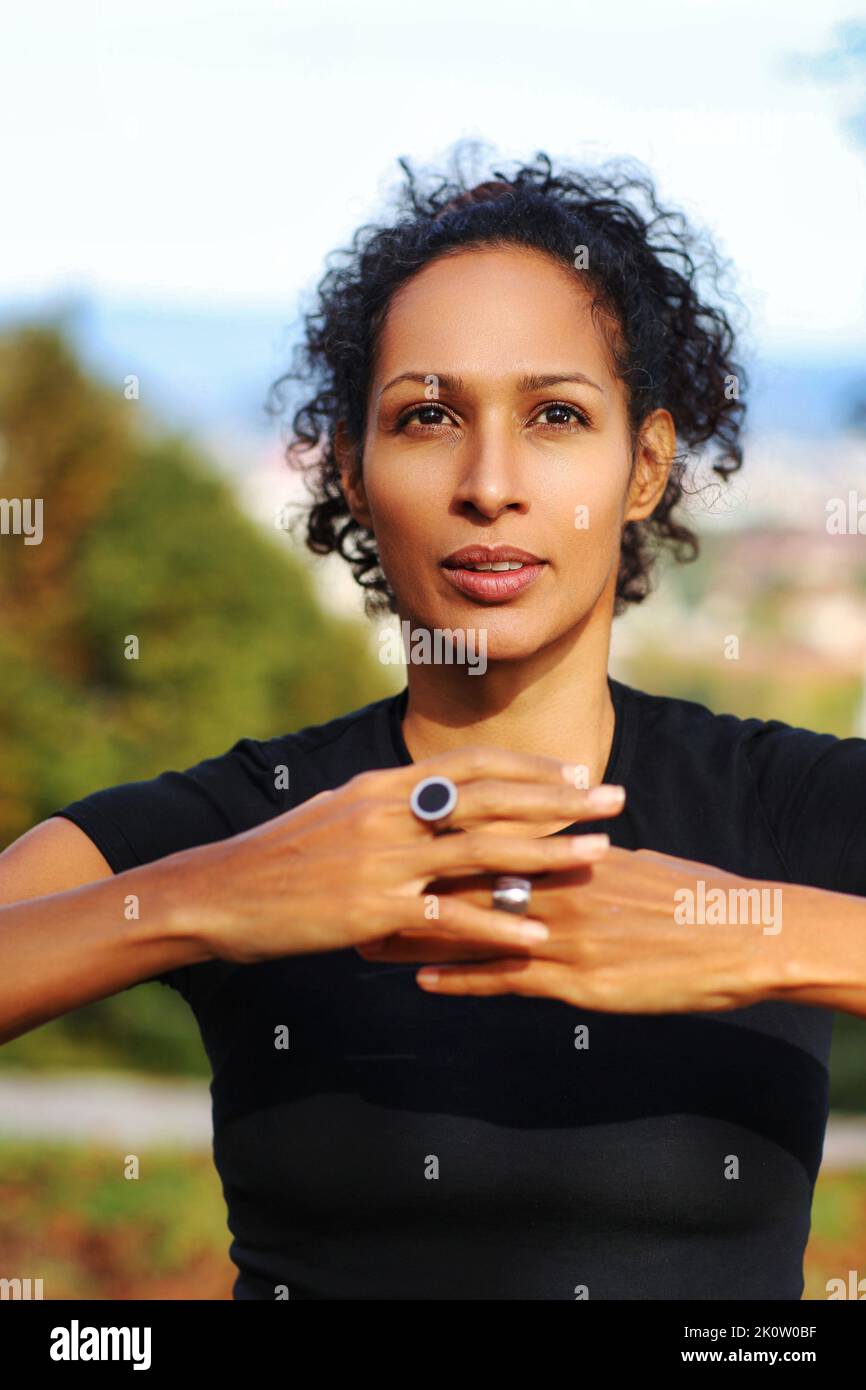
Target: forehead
{"points": [[491, 312]]}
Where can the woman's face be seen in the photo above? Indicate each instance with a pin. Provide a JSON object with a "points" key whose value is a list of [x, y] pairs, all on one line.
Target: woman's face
{"points": [[495, 423]]}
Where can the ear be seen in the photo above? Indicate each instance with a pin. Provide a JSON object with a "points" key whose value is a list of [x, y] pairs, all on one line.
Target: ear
{"points": [[654, 455], [348, 459]]}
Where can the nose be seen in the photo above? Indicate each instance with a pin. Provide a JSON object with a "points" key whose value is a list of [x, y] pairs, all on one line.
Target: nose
{"points": [[491, 479]]}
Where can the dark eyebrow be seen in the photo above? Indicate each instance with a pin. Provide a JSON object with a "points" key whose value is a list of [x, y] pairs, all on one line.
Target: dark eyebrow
{"points": [[451, 383], [526, 383], [539, 383]]}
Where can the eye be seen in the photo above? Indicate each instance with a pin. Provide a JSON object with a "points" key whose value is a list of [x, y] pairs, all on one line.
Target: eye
{"points": [[570, 416], [432, 408]]}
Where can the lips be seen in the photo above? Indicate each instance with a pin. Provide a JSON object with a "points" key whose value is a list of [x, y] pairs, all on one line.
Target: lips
{"points": [[492, 572], [471, 555]]}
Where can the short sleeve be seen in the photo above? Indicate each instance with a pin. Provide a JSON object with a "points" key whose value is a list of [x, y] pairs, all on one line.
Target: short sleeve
{"points": [[812, 790], [137, 823]]}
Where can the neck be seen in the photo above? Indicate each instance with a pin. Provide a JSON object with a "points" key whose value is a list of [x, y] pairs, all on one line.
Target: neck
{"points": [[555, 702]]}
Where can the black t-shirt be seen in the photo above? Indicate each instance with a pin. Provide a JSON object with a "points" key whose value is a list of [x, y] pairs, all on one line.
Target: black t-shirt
{"points": [[413, 1146]]}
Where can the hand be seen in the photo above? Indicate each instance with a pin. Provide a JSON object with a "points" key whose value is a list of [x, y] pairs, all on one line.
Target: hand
{"points": [[351, 865], [615, 944]]}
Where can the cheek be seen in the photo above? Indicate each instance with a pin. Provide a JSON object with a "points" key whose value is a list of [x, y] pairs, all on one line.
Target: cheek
{"points": [[394, 515], [387, 482], [594, 514], [398, 513], [402, 504]]}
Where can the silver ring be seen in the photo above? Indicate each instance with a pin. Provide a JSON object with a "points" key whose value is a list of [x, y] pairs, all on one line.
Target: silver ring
{"points": [[433, 798], [512, 894]]}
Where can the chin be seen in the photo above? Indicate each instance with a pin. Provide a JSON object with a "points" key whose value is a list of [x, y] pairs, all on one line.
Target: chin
{"points": [[501, 635]]}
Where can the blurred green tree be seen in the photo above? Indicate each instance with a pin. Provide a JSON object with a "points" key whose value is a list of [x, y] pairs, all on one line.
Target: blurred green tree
{"points": [[140, 538]]}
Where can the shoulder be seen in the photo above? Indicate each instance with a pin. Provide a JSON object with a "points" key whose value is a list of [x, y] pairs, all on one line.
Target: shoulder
{"points": [[806, 786], [327, 755], [695, 728]]}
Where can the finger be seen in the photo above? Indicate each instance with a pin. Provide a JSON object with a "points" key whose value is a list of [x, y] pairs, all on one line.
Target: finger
{"points": [[428, 945], [488, 800], [478, 888], [475, 852], [460, 921], [510, 975], [494, 783]]}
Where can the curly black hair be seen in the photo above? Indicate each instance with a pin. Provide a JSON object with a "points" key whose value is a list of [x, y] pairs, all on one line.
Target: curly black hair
{"points": [[670, 340]]}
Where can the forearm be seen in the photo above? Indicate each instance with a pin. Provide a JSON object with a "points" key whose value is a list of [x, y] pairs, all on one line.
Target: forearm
{"points": [[819, 956], [68, 949]]}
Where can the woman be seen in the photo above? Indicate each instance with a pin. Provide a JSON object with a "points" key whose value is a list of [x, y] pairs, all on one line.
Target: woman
{"points": [[618, 1090]]}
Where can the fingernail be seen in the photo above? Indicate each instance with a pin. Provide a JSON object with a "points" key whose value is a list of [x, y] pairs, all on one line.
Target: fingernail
{"points": [[590, 844], [535, 931], [427, 977], [606, 798]]}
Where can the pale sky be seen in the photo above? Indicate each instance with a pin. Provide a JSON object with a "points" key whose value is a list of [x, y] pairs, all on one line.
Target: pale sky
{"points": [[199, 153]]}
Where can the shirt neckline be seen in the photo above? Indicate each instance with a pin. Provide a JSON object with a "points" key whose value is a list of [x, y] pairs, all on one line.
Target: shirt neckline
{"points": [[621, 748]]}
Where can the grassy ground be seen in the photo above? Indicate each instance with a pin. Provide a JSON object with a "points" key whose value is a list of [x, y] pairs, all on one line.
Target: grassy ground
{"points": [[70, 1217], [838, 1240]]}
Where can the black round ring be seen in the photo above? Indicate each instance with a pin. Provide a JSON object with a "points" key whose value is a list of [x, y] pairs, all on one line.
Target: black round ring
{"points": [[433, 798]]}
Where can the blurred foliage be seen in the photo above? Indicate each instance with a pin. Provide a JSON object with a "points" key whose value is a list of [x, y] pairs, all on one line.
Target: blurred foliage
{"points": [[848, 1063], [812, 702], [837, 1241], [148, 1029], [140, 537]]}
